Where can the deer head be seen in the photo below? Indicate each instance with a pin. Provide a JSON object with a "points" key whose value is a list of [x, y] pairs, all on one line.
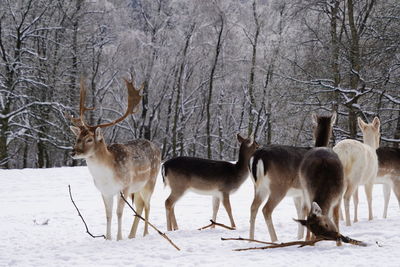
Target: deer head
{"points": [[371, 132], [89, 137], [320, 225]]}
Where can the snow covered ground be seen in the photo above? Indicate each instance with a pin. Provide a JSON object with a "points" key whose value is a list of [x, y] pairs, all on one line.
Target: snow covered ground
{"points": [[41, 194]]}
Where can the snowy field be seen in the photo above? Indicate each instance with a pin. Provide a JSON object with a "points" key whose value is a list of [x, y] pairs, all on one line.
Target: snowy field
{"points": [[41, 194]]}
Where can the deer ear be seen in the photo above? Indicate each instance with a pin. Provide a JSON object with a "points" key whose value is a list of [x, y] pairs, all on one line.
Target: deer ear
{"points": [[376, 123], [98, 135], [315, 209], [361, 123], [75, 130], [240, 138], [314, 118], [333, 118], [302, 222]]}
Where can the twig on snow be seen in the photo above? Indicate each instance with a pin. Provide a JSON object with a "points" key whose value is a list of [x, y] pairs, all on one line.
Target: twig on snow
{"points": [[247, 239], [151, 225], [216, 224], [80, 215], [293, 243]]}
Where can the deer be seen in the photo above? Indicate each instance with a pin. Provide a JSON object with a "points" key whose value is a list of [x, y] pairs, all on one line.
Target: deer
{"points": [[129, 168], [322, 180], [388, 173], [275, 174], [360, 165], [209, 177], [324, 229]]}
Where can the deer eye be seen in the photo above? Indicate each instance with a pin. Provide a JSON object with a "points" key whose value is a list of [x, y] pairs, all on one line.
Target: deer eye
{"points": [[89, 140]]}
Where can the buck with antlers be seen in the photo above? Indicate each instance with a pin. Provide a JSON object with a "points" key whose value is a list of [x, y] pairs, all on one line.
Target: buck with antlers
{"points": [[129, 168], [360, 165], [321, 178], [209, 177]]}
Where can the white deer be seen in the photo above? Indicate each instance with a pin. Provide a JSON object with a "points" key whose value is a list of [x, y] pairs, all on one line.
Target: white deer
{"points": [[130, 168], [360, 165]]}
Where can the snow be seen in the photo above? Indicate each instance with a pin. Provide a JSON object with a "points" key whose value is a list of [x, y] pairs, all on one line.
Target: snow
{"points": [[41, 194]]}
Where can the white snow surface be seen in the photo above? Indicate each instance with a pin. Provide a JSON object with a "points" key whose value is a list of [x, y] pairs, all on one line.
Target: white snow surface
{"points": [[30, 195]]}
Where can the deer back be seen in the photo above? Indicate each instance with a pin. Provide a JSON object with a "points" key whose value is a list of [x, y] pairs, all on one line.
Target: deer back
{"points": [[207, 175], [280, 162], [322, 178]]}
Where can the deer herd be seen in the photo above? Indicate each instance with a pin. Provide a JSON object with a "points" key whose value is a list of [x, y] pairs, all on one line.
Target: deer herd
{"points": [[317, 178]]}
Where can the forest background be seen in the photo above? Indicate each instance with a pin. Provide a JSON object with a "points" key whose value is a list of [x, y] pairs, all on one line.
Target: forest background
{"points": [[210, 69]]}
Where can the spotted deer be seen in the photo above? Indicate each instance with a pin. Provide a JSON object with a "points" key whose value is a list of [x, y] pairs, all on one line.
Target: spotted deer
{"points": [[321, 178], [210, 177], [275, 174], [129, 168], [360, 165]]}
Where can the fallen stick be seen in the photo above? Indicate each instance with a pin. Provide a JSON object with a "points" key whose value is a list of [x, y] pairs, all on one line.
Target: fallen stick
{"points": [[151, 225], [287, 244], [80, 215], [250, 240], [216, 224], [293, 243]]}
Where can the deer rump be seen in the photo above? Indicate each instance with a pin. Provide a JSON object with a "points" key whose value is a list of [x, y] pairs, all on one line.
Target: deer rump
{"points": [[321, 176]]}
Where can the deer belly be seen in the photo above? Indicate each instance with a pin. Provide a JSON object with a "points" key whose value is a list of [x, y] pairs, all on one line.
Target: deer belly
{"points": [[294, 192], [212, 192]]}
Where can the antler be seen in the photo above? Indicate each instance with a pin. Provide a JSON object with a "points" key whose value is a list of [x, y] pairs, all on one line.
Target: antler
{"points": [[134, 97], [79, 121]]}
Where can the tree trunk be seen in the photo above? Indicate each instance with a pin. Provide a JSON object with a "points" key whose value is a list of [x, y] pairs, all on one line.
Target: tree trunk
{"points": [[252, 71], [355, 68], [210, 88]]}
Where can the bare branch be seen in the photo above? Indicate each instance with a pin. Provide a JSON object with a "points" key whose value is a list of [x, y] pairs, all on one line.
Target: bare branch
{"points": [[151, 225], [80, 215]]}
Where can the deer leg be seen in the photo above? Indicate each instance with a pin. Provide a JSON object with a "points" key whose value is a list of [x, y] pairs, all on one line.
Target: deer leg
{"points": [[259, 196], [139, 209], [386, 195], [215, 202], [146, 217], [227, 206], [169, 208], [273, 200], [336, 217], [300, 215], [346, 199], [120, 210], [368, 191], [396, 189], [108, 204], [355, 203]]}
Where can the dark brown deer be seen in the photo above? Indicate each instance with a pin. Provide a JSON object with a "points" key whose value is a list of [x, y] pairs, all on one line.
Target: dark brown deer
{"points": [[321, 176], [209, 177], [130, 168], [323, 228]]}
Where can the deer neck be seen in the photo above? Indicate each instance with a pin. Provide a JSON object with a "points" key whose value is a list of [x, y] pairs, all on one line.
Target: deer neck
{"points": [[101, 155], [322, 137], [370, 141], [242, 163]]}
